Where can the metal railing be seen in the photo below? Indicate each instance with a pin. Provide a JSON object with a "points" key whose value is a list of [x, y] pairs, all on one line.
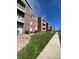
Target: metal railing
{"points": [[21, 19], [21, 7]]}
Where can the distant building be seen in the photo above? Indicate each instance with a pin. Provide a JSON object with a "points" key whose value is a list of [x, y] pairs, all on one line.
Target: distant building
{"points": [[34, 24], [41, 24], [58, 29], [49, 27], [46, 26]]}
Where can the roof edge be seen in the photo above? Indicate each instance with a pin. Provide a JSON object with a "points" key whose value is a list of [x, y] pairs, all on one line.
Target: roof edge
{"points": [[28, 4]]}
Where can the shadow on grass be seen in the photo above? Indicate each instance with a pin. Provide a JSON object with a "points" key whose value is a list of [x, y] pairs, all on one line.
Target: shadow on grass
{"points": [[59, 33]]}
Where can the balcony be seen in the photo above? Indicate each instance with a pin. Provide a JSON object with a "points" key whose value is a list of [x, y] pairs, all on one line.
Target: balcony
{"points": [[20, 19], [44, 24], [20, 7]]}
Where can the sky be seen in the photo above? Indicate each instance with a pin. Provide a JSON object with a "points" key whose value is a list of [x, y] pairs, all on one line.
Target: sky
{"points": [[50, 9]]}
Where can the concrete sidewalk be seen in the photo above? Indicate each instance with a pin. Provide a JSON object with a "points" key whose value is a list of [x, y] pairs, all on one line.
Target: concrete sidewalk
{"points": [[52, 49]]}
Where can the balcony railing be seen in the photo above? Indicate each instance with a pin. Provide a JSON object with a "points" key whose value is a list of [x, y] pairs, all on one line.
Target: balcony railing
{"points": [[20, 7], [20, 19]]}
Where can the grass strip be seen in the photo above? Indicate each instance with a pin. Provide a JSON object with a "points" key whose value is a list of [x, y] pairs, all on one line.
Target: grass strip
{"points": [[35, 46]]}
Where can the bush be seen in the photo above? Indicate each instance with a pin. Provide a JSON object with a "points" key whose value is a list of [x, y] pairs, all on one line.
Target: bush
{"points": [[36, 31], [27, 32], [31, 32], [17, 31]]}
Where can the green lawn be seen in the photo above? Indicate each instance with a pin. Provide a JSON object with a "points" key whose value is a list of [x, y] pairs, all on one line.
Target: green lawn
{"points": [[36, 45]]}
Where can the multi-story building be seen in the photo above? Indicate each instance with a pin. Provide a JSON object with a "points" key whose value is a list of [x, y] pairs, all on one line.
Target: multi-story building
{"points": [[20, 15], [27, 18], [26, 22], [23, 15], [34, 24], [41, 24], [48, 27]]}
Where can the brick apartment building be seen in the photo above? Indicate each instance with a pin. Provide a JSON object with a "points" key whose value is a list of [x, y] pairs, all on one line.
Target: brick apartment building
{"points": [[24, 15], [27, 18], [46, 26], [26, 22], [34, 24], [49, 27], [41, 24], [20, 15]]}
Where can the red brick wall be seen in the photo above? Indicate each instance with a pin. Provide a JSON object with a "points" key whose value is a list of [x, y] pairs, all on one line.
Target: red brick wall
{"points": [[27, 18], [34, 23], [43, 26], [40, 24]]}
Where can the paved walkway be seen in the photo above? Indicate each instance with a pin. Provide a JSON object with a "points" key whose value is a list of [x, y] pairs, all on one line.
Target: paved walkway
{"points": [[52, 49], [22, 40]]}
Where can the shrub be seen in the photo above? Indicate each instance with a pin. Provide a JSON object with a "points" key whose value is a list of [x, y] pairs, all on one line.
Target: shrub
{"points": [[36, 31], [27, 32], [17, 31], [31, 32]]}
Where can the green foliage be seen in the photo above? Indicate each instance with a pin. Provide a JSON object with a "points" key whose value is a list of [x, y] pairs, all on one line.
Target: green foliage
{"points": [[36, 45], [36, 31], [17, 31]]}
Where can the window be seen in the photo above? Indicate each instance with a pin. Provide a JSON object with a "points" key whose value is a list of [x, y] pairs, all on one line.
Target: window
{"points": [[36, 19], [43, 28], [30, 29], [31, 23], [35, 27], [43, 24], [21, 3], [43, 20]]}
